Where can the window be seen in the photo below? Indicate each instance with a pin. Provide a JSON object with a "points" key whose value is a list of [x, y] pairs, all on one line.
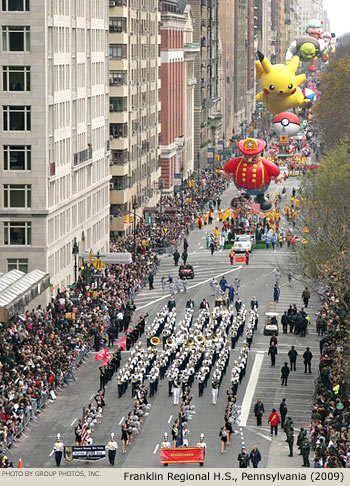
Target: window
{"points": [[17, 195], [118, 104], [117, 78], [17, 157], [117, 51], [117, 24], [17, 233], [16, 118], [20, 264], [16, 78], [15, 5], [15, 39]]}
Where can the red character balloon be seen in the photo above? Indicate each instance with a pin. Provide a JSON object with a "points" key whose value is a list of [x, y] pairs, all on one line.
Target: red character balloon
{"points": [[251, 173]]}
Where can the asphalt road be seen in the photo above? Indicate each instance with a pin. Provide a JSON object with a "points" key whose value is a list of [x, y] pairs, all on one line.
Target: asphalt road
{"points": [[261, 380]]}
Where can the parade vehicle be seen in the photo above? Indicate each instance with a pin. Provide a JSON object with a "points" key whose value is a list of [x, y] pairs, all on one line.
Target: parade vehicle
{"points": [[186, 271], [243, 243], [271, 323]]}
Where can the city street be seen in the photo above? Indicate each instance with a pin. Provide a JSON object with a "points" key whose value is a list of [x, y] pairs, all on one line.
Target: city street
{"points": [[261, 380]]}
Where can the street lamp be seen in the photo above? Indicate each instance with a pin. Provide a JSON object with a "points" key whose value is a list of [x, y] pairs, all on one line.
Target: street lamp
{"points": [[75, 252], [182, 188], [134, 207]]}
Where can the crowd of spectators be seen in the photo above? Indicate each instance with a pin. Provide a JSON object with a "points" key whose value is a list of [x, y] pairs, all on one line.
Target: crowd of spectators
{"points": [[40, 349], [330, 424]]}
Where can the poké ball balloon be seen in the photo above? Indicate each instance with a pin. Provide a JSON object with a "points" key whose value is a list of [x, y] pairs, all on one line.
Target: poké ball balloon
{"points": [[286, 123]]}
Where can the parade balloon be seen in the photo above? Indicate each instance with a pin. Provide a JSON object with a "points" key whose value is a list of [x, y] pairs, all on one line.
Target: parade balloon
{"points": [[309, 94], [314, 28], [280, 85], [251, 173], [286, 123]]}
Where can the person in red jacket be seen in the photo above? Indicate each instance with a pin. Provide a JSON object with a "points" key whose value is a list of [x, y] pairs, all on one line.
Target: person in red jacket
{"points": [[252, 173], [274, 420]]}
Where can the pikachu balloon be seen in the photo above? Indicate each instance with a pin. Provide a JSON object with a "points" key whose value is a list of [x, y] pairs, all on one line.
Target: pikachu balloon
{"points": [[280, 85]]}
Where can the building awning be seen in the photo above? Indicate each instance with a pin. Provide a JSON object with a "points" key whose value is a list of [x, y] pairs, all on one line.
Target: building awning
{"points": [[17, 289]]}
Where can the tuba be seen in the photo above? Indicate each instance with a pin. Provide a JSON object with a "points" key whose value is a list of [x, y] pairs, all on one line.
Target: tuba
{"points": [[155, 340], [199, 339], [170, 342], [190, 342]]}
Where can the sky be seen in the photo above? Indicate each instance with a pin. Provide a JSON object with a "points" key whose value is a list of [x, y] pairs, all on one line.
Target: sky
{"points": [[339, 15]]}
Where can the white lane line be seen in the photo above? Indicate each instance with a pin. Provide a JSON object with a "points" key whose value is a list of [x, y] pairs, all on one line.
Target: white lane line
{"points": [[91, 396], [156, 448], [170, 419], [51, 453], [73, 422], [264, 436], [188, 288], [121, 420], [248, 396]]}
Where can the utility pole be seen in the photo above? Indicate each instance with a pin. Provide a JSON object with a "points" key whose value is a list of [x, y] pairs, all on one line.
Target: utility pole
{"points": [[134, 206], [75, 252], [182, 188]]}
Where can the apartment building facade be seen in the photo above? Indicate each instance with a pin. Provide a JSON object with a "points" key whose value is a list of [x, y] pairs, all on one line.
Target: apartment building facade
{"points": [[134, 84], [54, 134], [208, 118]]}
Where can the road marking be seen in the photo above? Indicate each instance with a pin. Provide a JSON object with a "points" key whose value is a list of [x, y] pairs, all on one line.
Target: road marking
{"points": [[73, 422], [51, 453], [248, 396], [263, 436], [170, 419], [156, 448], [121, 420], [188, 288], [91, 396]]}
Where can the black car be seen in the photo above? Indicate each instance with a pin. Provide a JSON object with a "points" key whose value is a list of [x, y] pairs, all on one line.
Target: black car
{"points": [[186, 271]]}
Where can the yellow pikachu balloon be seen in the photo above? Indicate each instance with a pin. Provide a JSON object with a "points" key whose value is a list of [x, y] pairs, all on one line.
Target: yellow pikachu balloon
{"points": [[280, 85]]}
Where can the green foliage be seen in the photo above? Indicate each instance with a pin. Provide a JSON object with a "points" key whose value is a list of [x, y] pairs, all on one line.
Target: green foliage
{"points": [[325, 210], [333, 109]]}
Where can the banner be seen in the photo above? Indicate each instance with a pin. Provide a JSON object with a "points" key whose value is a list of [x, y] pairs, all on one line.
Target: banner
{"points": [[239, 259], [179, 455], [84, 453]]}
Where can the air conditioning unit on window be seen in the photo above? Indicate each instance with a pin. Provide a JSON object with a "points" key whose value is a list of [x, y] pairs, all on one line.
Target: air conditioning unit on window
{"points": [[111, 186], [111, 3]]}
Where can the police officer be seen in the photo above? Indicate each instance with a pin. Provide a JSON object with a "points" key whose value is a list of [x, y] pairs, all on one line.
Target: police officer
{"points": [[58, 450], [112, 447]]}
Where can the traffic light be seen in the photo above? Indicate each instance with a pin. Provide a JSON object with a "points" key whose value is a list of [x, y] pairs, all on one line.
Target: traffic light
{"points": [[131, 218], [125, 218], [91, 256]]}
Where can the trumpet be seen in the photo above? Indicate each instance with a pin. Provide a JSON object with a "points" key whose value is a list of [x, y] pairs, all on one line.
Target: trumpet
{"points": [[190, 342], [155, 340], [199, 339]]}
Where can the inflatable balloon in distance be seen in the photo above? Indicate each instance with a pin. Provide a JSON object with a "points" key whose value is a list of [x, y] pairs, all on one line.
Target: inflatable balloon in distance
{"points": [[307, 48], [286, 123], [309, 94], [280, 85], [251, 173], [314, 28]]}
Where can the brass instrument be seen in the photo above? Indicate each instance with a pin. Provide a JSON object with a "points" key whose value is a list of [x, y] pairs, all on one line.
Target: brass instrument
{"points": [[199, 339], [214, 338], [169, 342], [155, 340], [190, 342]]}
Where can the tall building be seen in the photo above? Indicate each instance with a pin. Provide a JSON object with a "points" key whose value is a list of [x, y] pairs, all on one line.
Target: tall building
{"points": [[263, 23], [54, 134], [134, 84], [207, 116], [191, 51], [226, 21], [240, 66], [172, 141]]}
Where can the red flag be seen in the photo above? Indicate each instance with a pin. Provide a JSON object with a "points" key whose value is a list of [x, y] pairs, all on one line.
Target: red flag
{"points": [[83, 433], [104, 355], [122, 343]]}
